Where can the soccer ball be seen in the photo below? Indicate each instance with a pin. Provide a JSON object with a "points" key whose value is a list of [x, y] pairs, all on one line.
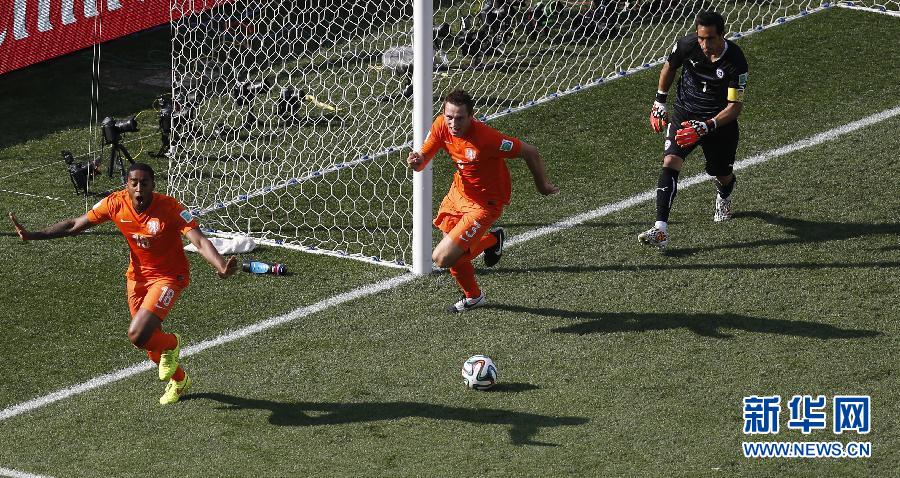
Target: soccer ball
{"points": [[479, 372]]}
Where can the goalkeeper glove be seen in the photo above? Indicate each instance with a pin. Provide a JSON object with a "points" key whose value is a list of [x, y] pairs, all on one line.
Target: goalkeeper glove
{"points": [[659, 117], [691, 132]]}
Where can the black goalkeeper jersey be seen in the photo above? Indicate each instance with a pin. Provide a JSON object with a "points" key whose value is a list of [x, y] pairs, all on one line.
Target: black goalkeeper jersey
{"points": [[704, 86]]}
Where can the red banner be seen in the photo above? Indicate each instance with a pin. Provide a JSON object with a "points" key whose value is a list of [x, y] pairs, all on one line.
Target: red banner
{"points": [[37, 30]]}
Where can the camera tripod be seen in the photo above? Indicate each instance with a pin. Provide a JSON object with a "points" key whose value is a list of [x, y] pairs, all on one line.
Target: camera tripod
{"points": [[115, 159]]}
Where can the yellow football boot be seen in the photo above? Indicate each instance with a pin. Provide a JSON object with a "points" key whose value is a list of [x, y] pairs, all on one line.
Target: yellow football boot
{"points": [[174, 390]]}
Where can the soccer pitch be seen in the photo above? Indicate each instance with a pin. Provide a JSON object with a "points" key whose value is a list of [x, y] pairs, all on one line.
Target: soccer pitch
{"points": [[614, 360]]}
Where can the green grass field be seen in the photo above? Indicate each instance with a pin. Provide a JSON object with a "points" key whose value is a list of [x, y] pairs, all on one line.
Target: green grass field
{"points": [[614, 360]]}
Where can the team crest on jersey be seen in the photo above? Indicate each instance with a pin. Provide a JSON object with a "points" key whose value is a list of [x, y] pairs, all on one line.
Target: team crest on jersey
{"points": [[719, 73], [506, 145], [471, 154], [153, 226]]}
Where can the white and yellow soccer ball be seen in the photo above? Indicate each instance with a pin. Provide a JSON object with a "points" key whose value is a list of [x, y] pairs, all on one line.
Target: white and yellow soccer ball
{"points": [[479, 372]]}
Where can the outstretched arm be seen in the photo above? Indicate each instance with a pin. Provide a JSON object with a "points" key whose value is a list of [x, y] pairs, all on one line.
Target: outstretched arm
{"points": [[533, 159], [69, 227], [209, 252]]}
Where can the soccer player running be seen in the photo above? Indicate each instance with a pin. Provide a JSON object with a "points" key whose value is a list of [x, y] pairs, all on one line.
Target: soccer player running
{"points": [[481, 188], [709, 100], [152, 223]]}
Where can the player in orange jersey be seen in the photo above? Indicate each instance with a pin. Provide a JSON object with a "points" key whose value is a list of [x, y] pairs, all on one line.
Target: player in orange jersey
{"points": [[153, 224], [481, 188]]}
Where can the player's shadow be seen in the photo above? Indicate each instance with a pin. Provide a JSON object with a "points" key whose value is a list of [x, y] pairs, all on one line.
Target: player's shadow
{"points": [[706, 325], [803, 231], [304, 414]]}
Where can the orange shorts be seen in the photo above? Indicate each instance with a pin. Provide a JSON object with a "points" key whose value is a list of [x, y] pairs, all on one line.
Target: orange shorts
{"points": [[157, 296], [465, 222]]}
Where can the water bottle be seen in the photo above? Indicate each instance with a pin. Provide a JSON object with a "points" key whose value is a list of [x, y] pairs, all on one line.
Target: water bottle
{"points": [[257, 267]]}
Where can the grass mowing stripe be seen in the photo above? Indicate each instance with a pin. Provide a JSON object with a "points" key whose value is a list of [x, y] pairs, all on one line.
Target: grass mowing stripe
{"points": [[19, 474], [400, 280]]}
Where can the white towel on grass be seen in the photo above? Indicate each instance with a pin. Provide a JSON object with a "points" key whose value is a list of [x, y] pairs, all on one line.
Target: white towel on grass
{"points": [[229, 245]]}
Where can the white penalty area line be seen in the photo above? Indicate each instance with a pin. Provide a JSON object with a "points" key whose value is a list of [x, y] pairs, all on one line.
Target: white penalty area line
{"points": [[19, 474], [395, 282]]}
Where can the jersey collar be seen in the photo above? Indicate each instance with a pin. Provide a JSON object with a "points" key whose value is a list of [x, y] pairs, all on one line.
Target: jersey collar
{"points": [[723, 52]]}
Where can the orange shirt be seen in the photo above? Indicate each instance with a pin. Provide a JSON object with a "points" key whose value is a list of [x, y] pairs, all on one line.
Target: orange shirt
{"points": [[153, 236], [481, 172]]}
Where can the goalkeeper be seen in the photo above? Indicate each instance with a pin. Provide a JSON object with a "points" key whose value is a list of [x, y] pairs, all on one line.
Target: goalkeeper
{"points": [[481, 188], [709, 100], [152, 223]]}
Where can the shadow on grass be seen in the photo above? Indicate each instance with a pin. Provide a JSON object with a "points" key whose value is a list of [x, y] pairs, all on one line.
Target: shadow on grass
{"points": [[707, 325], [300, 414], [512, 387], [803, 231]]}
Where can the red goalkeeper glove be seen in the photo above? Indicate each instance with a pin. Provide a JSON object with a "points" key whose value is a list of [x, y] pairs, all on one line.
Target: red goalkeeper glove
{"points": [[659, 117], [691, 132]]}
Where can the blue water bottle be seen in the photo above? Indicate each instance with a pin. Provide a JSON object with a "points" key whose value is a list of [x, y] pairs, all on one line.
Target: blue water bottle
{"points": [[257, 267]]}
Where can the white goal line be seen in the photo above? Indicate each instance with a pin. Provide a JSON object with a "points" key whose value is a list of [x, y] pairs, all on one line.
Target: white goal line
{"points": [[395, 282]]}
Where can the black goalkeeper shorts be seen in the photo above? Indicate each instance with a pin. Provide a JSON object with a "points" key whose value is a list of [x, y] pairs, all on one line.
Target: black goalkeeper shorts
{"points": [[719, 146]]}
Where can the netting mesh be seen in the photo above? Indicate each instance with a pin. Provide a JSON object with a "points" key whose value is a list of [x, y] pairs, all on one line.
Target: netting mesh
{"points": [[293, 117]]}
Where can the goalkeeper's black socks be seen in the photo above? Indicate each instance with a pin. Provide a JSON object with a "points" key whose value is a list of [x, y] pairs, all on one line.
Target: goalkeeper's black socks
{"points": [[665, 193], [725, 191]]}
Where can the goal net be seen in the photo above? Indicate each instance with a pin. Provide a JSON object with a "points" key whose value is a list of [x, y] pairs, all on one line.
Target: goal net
{"points": [[293, 118]]}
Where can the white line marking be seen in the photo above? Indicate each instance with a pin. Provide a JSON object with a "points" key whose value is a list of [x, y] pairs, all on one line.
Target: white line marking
{"points": [[699, 178], [19, 474], [33, 195], [403, 279], [892, 13], [193, 349]]}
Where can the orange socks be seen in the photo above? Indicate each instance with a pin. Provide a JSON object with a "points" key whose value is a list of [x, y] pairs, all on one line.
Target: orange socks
{"points": [[488, 240], [463, 270], [161, 341], [464, 273]]}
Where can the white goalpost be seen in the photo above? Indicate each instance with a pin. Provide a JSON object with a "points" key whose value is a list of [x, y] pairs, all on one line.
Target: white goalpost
{"points": [[293, 118]]}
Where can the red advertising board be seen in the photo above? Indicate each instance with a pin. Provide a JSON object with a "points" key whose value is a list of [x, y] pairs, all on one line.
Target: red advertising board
{"points": [[37, 30]]}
